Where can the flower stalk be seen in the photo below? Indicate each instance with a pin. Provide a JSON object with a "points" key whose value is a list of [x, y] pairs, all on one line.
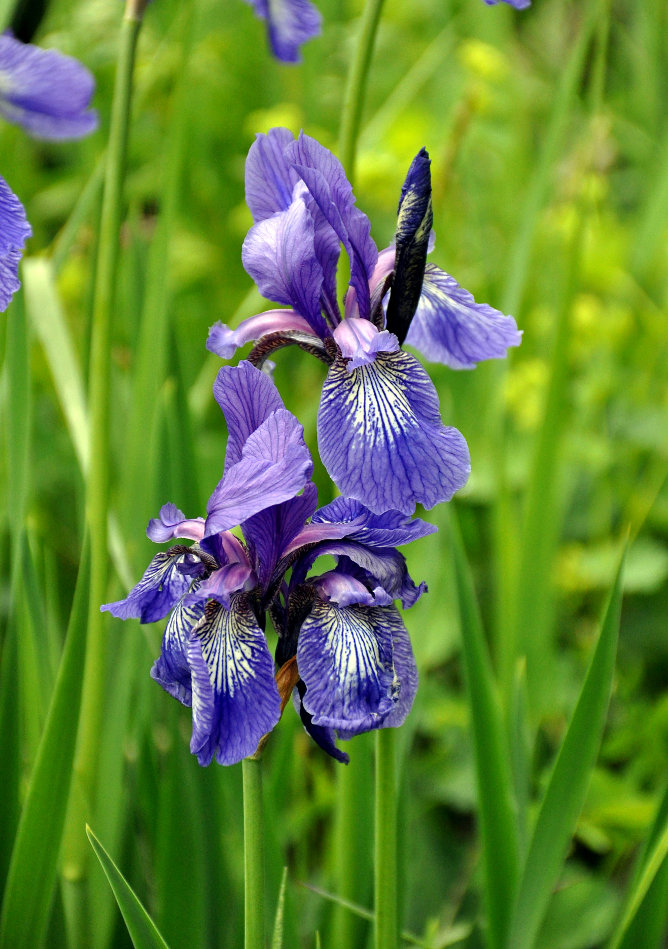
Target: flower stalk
{"points": [[253, 854], [385, 933]]}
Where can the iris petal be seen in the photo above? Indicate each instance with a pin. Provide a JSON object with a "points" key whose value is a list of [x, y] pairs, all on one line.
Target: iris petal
{"points": [[161, 587], [390, 529], [381, 438], [171, 669], [247, 397], [270, 178], [14, 230], [290, 23]]}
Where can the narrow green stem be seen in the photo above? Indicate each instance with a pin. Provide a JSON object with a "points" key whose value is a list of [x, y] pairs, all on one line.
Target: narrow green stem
{"points": [[386, 931], [353, 100], [253, 854]]}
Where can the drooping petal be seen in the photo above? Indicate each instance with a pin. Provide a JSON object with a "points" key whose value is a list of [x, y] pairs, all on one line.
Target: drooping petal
{"points": [[171, 669], [161, 587], [326, 180], [405, 670], [235, 699], [270, 177], [224, 341], [14, 230], [345, 660], [275, 465], [279, 254], [172, 523], [451, 328], [381, 438], [322, 736], [44, 91], [247, 397], [270, 531], [290, 23], [391, 529], [359, 341]]}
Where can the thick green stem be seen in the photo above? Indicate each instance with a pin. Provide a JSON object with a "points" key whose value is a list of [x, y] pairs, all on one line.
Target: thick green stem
{"points": [[386, 935], [353, 101], [253, 854]]}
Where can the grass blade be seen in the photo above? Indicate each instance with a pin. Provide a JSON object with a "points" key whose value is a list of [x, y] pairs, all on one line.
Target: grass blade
{"points": [[277, 935], [142, 929], [568, 783], [25, 910]]}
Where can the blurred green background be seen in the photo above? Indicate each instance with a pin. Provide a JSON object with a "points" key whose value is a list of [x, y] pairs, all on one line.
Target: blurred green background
{"points": [[548, 133]]}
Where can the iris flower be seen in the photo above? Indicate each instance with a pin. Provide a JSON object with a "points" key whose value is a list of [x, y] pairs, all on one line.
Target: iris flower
{"points": [[14, 229], [289, 23], [380, 434], [342, 647], [44, 91], [518, 4]]}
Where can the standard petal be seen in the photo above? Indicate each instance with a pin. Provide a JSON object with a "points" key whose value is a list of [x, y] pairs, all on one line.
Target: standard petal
{"points": [[224, 341], [161, 587], [172, 523], [270, 531], [279, 254], [390, 529], [171, 669], [275, 465], [290, 23], [345, 660], [381, 438], [247, 397], [235, 699], [45, 92], [451, 328], [270, 178], [14, 230]]}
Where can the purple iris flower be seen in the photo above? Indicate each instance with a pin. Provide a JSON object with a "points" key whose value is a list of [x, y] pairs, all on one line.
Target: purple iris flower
{"points": [[289, 23], [44, 91], [518, 4], [380, 433], [343, 651], [14, 230]]}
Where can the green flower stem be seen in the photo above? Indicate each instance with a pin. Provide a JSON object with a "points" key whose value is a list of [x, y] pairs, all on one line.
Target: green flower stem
{"points": [[353, 101], [386, 934], [253, 854]]}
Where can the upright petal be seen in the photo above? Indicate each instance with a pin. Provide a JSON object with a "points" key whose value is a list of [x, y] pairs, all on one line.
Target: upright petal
{"points": [[451, 328], [381, 438], [45, 92], [235, 699], [161, 587], [269, 532], [14, 230], [247, 397], [290, 23], [270, 177], [390, 529]]}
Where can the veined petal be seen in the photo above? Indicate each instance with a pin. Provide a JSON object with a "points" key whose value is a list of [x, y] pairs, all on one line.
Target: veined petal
{"points": [[44, 91], [247, 397], [161, 587], [235, 699], [172, 523], [279, 254], [345, 660], [290, 23], [270, 177], [171, 669], [14, 230], [405, 670], [270, 531], [224, 341], [390, 529], [381, 438], [359, 341], [451, 328], [275, 465]]}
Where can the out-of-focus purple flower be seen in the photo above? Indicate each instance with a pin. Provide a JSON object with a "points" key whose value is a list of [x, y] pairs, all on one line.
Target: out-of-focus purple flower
{"points": [[342, 648], [14, 230], [379, 428], [45, 92], [518, 4], [289, 24]]}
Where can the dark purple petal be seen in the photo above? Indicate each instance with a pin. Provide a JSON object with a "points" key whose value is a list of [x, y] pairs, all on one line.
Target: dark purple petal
{"points": [[269, 532], [290, 23], [270, 178], [172, 523], [322, 736], [275, 465], [326, 180], [45, 92], [247, 397], [235, 699], [450, 327], [381, 438], [224, 341], [390, 529], [14, 230], [171, 669], [345, 660], [279, 254], [359, 341], [162, 585]]}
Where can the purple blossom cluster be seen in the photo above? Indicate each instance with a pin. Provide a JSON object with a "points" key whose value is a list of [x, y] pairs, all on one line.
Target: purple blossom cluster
{"points": [[343, 653]]}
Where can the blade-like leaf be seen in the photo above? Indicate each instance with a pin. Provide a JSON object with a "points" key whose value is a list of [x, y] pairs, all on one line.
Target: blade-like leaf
{"points": [[25, 909], [568, 783], [277, 935], [142, 929]]}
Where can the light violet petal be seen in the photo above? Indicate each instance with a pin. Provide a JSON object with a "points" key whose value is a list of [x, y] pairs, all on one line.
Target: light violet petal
{"points": [[359, 341], [172, 523], [381, 438], [270, 178], [290, 23], [518, 4], [451, 328], [224, 341], [390, 529], [247, 397], [223, 583], [14, 231], [342, 589]]}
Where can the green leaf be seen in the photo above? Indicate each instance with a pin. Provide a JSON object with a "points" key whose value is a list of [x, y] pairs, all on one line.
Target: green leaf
{"points": [[277, 936], [568, 783], [25, 910], [497, 811], [142, 929]]}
